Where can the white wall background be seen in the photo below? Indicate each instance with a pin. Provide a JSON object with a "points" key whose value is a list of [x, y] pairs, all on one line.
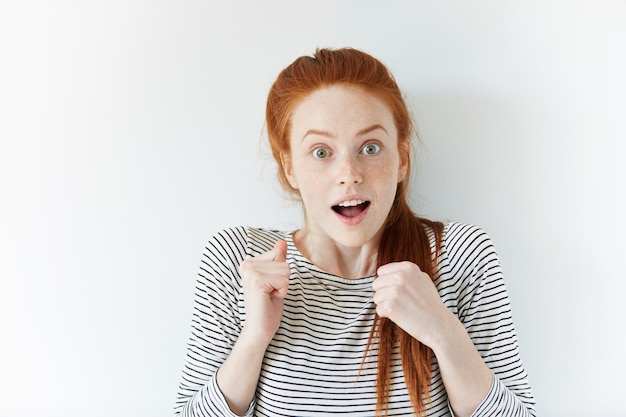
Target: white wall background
{"points": [[130, 131]]}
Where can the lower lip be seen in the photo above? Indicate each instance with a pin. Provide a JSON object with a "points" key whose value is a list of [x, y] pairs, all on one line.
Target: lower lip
{"points": [[352, 221]]}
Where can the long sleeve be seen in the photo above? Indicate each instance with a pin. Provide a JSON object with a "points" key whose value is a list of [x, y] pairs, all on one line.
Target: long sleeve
{"points": [[216, 324], [475, 291]]}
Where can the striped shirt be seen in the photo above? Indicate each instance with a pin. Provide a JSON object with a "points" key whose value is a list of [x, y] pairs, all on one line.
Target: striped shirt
{"points": [[314, 364]]}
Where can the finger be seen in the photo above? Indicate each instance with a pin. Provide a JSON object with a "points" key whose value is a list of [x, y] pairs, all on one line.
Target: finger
{"points": [[277, 253], [280, 292], [271, 276], [385, 277], [281, 248], [379, 283], [277, 285], [378, 297], [387, 292], [394, 267]]}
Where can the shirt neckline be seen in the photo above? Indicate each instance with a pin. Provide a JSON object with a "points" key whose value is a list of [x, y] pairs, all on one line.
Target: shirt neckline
{"points": [[293, 250]]}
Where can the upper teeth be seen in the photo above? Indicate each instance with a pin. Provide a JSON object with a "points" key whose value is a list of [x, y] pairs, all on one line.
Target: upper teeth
{"points": [[351, 203]]}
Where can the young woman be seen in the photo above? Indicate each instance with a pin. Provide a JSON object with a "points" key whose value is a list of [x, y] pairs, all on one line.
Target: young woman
{"points": [[367, 309]]}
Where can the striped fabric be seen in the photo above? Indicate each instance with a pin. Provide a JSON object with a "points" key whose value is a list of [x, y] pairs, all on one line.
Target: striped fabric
{"points": [[313, 366]]}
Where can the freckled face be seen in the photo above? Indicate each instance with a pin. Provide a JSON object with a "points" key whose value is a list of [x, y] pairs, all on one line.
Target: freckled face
{"points": [[345, 163]]}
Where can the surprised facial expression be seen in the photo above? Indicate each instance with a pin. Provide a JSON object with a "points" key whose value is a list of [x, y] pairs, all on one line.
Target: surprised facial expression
{"points": [[345, 163]]}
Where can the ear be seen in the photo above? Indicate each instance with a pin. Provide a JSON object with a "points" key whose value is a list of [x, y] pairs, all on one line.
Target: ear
{"points": [[285, 161], [405, 157], [402, 170]]}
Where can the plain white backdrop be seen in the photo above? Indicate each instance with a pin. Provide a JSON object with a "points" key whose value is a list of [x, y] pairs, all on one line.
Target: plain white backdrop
{"points": [[130, 131]]}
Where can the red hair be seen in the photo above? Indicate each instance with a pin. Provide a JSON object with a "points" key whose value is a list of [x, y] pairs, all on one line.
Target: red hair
{"points": [[405, 236]]}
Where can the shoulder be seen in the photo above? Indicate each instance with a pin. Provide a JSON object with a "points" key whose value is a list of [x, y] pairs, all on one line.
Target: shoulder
{"points": [[467, 250], [261, 240], [461, 237], [243, 241], [226, 249], [469, 271]]}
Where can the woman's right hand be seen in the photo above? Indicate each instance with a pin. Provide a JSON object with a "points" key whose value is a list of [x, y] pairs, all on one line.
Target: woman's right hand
{"points": [[265, 283]]}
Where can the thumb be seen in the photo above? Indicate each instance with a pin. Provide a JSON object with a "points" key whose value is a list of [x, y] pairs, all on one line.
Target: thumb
{"points": [[281, 247]]}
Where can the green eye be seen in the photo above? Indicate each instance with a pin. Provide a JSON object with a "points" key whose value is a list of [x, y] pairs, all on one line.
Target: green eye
{"points": [[371, 149], [321, 153]]}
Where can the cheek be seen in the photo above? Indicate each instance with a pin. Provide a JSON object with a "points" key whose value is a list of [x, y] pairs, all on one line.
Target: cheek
{"points": [[385, 180], [309, 180], [386, 172]]}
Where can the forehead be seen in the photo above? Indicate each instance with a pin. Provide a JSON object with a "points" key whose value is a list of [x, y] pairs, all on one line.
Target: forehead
{"points": [[341, 107]]}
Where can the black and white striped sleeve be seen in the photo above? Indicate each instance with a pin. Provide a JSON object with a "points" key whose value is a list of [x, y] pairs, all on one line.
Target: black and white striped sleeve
{"points": [[475, 276], [215, 326]]}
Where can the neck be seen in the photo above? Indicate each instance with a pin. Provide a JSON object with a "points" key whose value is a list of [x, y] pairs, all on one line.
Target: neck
{"points": [[330, 256]]}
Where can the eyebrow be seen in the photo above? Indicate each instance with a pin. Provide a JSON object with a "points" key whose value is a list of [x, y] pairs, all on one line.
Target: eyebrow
{"points": [[330, 135]]}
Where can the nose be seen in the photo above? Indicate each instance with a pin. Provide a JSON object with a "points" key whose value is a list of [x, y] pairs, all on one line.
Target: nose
{"points": [[349, 171]]}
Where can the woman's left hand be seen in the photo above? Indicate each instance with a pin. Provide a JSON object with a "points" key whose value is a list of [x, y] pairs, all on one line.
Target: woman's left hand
{"points": [[407, 296]]}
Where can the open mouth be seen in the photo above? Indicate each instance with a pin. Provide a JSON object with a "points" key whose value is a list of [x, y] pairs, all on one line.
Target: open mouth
{"points": [[351, 208]]}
